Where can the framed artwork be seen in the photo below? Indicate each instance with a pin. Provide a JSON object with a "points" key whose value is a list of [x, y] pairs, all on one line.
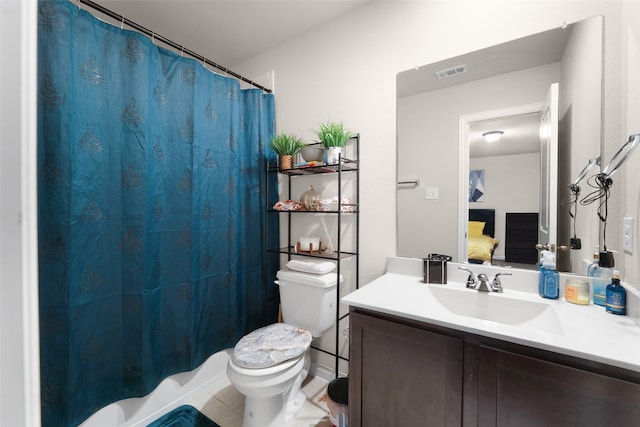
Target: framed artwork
{"points": [[476, 185]]}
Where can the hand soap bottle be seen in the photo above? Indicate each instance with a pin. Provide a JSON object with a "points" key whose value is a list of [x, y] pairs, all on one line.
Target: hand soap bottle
{"points": [[548, 282], [594, 269], [616, 296], [601, 280], [598, 286]]}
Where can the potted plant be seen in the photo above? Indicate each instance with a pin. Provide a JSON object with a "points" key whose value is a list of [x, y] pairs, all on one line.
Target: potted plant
{"points": [[286, 146], [333, 136]]}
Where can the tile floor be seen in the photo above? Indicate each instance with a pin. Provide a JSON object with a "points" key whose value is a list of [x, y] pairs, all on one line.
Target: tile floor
{"points": [[222, 403]]}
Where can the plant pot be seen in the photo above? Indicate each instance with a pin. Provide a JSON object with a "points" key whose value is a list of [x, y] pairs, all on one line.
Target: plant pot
{"points": [[333, 155], [312, 154], [285, 161]]}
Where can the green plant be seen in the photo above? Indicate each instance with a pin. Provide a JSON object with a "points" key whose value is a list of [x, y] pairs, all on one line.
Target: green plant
{"points": [[332, 134], [285, 144]]}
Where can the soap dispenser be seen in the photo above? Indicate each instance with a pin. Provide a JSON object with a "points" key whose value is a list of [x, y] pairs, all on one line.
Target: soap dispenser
{"points": [[603, 278], [548, 282]]}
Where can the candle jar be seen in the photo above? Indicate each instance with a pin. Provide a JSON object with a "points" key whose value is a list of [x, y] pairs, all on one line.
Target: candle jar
{"points": [[309, 244], [577, 291]]}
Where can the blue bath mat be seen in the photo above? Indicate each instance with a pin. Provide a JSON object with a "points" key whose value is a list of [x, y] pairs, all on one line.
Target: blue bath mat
{"points": [[183, 416]]}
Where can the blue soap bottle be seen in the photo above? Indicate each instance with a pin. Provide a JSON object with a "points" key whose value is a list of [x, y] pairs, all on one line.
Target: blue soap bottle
{"points": [[616, 296], [548, 281]]}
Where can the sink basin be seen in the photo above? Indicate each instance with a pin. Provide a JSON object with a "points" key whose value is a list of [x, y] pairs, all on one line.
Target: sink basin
{"points": [[494, 307]]}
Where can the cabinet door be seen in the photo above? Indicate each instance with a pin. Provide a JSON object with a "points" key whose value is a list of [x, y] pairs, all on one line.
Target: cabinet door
{"points": [[516, 390], [403, 376]]}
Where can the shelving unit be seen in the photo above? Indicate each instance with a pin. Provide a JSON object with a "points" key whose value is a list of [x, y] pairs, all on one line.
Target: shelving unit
{"points": [[346, 165]]}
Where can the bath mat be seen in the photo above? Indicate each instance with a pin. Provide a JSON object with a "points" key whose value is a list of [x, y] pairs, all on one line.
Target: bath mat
{"points": [[183, 416]]}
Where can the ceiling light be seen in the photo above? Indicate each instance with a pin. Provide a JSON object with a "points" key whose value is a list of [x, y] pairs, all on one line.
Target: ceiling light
{"points": [[492, 136]]}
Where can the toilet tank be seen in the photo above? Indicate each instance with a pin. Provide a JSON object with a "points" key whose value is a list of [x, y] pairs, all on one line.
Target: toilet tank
{"points": [[308, 300]]}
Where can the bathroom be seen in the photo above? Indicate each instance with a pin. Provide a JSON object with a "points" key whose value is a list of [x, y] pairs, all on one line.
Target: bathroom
{"points": [[361, 91]]}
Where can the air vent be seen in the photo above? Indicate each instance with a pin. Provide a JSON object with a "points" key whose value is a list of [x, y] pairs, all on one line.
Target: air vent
{"points": [[450, 72]]}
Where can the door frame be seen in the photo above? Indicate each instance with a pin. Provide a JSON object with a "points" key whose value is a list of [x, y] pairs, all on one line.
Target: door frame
{"points": [[464, 123], [548, 218]]}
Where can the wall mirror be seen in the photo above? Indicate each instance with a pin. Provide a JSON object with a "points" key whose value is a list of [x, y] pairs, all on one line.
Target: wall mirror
{"points": [[443, 110]]}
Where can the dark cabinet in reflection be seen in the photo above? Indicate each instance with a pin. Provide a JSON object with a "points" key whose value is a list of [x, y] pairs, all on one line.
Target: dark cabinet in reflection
{"points": [[521, 237]]}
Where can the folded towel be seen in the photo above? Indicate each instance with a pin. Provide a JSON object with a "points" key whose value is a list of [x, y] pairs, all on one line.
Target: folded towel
{"points": [[311, 266]]}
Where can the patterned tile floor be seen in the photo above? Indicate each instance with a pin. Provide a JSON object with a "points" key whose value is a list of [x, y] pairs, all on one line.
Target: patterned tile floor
{"points": [[222, 403]]}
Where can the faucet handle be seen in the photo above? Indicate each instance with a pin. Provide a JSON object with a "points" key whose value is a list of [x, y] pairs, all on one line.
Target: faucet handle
{"points": [[471, 279], [496, 285]]}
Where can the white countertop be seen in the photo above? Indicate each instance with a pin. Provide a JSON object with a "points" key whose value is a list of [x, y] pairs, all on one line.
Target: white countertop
{"points": [[585, 331]]}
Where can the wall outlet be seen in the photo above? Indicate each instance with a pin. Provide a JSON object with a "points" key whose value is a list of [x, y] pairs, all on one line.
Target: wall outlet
{"points": [[627, 235], [431, 193]]}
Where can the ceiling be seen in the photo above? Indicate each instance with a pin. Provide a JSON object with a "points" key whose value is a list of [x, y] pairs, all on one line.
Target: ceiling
{"points": [[521, 136], [229, 32], [532, 51]]}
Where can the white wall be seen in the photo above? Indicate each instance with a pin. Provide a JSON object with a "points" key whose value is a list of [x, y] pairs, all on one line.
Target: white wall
{"points": [[630, 176], [347, 71], [507, 191], [428, 149], [580, 96], [19, 343]]}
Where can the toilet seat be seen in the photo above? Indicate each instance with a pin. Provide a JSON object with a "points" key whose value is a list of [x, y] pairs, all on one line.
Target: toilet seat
{"points": [[271, 346], [255, 372]]}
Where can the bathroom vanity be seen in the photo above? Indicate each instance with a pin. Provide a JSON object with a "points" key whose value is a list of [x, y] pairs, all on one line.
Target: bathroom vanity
{"points": [[444, 355]]}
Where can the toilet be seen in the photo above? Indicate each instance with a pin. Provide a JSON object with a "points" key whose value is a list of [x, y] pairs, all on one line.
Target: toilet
{"points": [[269, 364]]}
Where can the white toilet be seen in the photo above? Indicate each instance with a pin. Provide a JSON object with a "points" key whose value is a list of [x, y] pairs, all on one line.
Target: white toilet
{"points": [[269, 365]]}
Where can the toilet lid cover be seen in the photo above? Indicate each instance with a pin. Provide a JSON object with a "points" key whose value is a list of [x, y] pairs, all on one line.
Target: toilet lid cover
{"points": [[271, 345]]}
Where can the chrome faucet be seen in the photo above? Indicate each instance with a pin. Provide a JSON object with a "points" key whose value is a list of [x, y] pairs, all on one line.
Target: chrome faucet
{"points": [[471, 279], [482, 283], [496, 285]]}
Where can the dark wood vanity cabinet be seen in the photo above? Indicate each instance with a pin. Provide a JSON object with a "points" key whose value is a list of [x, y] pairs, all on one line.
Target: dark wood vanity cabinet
{"points": [[523, 391], [402, 376], [407, 373]]}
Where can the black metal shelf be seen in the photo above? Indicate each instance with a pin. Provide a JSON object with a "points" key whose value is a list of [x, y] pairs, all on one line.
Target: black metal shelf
{"points": [[334, 256], [347, 165], [344, 165], [318, 212]]}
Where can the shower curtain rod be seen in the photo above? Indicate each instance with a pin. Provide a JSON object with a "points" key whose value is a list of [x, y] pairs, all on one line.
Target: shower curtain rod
{"points": [[166, 41]]}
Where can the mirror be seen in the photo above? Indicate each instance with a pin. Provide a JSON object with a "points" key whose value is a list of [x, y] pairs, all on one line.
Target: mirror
{"points": [[513, 77]]}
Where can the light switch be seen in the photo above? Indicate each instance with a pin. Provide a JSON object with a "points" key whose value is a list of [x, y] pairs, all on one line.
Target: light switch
{"points": [[627, 235], [431, 193]]}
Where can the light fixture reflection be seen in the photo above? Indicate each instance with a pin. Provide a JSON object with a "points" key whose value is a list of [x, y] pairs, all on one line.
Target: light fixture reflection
{"points": [[492, 136]]}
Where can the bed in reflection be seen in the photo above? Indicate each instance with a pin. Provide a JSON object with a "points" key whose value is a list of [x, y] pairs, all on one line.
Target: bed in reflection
{"points": [[481, 233]]}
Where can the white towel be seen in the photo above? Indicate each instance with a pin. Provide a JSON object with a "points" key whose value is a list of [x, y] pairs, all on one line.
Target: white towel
{"points": [[311, 266]]}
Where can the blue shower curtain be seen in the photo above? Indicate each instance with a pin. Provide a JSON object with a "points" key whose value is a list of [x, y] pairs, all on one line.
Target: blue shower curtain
{"points": [[151, 209]]}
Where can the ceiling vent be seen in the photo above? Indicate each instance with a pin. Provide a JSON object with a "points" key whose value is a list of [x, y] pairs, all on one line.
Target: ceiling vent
{"points": [[450, 72]]}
